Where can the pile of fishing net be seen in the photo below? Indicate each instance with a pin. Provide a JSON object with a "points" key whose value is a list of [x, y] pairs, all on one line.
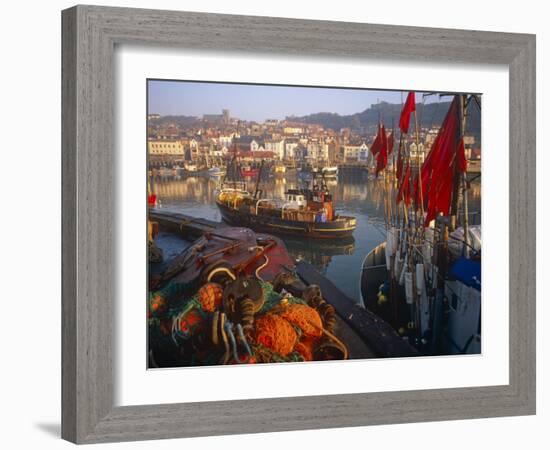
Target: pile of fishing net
{"points": [[211, 327]]}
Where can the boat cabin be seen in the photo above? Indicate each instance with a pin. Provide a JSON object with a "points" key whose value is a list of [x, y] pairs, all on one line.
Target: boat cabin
{"points": [[295, 198]]}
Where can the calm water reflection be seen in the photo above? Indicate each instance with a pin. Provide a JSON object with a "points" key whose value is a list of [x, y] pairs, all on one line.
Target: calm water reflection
{"points": [[339, 260]]}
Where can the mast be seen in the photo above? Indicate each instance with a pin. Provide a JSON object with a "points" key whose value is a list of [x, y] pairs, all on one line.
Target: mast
{"points": [[258, 179], [457, 178], [464, 180], [417, 135]]}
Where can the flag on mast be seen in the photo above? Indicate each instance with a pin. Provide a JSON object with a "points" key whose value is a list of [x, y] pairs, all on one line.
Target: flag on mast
{"points": [[438, 168], [461, 155], [382, 156], [390, 143], [404, 191], [377, 144], [408, 108]]}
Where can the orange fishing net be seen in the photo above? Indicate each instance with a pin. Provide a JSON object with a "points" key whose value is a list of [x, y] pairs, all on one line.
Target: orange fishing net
{"points": [[305, 348], [304, 317], [157, 304], [276, 334], [210, 296]]}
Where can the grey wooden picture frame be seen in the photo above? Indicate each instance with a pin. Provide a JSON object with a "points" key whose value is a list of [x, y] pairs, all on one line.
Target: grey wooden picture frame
{"points": [[90, 34]]}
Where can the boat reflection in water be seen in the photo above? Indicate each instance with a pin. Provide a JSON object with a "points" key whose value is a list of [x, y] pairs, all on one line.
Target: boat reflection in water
{"points": [[320, 253]]}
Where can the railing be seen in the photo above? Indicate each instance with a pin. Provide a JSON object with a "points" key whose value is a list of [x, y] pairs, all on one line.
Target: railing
{"points": [[258, 203]]}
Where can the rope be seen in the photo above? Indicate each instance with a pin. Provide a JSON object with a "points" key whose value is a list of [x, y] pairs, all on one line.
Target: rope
{"points": [[243, 339], [224, 337], [257, 273], [338, 342], [215, 321], [176, 323], [229, 331]]}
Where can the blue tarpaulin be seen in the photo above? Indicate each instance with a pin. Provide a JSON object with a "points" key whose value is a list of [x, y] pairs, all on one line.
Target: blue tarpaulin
{"points": [[467, 271]]}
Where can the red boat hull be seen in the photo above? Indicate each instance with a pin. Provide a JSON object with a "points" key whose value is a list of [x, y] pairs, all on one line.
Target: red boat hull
{"points": [[250, 172]]}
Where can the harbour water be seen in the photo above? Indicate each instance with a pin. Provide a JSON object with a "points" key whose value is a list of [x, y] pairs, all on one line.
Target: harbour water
{"points": [[339, 260]]}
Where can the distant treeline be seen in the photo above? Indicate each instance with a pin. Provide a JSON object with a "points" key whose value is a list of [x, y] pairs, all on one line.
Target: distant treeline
{"points": [[429, 114], [180, 121]]}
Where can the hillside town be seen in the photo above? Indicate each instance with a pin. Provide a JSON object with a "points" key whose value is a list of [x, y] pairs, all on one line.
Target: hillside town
{"points": [[214, 138]]}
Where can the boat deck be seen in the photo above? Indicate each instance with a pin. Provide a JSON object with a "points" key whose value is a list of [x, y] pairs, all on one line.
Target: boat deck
{"points": [[183, 224]]}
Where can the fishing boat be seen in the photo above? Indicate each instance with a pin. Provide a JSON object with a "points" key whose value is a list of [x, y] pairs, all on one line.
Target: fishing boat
{"points": [[279, 169], [249, 171], [425, 279], [166, 171], [307, 212], [330, 171], [191, 167], [216, 172]]}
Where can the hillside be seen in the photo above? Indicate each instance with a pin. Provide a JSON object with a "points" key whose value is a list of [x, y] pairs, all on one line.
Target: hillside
{"points": [[429, 114]]}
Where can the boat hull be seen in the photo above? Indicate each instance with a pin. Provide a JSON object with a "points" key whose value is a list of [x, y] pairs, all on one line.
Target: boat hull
{"points": [[250, 172], [336, 229]]}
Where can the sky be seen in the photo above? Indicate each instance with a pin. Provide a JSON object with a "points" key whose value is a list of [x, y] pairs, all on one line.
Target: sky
{"points": [[261, 102]]}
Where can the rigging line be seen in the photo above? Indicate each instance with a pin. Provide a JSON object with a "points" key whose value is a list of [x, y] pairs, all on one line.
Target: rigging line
{"points": [[421, 113], [425, 240], [381, 230], [439, 276]]}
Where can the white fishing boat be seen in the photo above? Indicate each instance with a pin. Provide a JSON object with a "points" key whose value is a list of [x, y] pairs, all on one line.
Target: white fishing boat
{"points": [[329, 171], [216, 172], [425, 279], [165, 171]]}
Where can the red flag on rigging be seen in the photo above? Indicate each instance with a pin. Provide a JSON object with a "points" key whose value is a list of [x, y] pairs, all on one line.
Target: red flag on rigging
{"points": [[438, 168], [460, 154], [399, 170], [390, 143], [408, 108], [377, 144], [382, 157], [404, 192]]}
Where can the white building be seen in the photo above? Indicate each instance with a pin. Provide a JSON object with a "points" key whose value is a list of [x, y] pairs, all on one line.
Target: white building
{"points": [[351, 152], [363, 153], [194, 149], [225, 141], [290, 149], [277, 146], [414, 154], [293, 130], [317, 151], [165, 147], [254, 146]]}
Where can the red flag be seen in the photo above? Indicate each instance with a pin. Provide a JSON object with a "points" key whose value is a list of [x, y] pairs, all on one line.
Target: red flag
{"points": [[404, 192], [399, 170], [460, 154], [408, 108], [438, 168], [377, 144], [382, 157], [390, 143]]}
